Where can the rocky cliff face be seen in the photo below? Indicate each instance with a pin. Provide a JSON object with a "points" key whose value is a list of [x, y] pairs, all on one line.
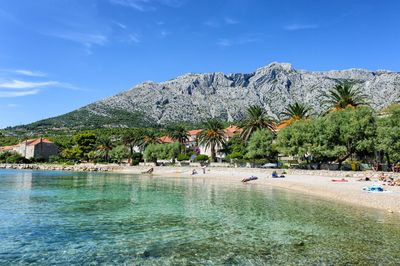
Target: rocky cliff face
{"points": [[197, 97]]}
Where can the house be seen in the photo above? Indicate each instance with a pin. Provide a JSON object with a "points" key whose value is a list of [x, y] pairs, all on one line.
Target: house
{"points": [[34, 148], [166, 139], [229, 132]]}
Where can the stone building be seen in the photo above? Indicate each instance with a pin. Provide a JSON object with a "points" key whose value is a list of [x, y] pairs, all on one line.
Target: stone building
{"points": [[36, 148]]}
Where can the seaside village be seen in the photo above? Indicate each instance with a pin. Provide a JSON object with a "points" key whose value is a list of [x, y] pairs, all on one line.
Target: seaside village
{"points": [[41, 149]]}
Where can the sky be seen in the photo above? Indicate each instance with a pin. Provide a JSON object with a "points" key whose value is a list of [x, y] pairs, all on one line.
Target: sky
{"points": [[59, 55]]}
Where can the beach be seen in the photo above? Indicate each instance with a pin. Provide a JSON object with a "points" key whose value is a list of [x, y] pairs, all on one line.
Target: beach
{"points": [[314, 183]]}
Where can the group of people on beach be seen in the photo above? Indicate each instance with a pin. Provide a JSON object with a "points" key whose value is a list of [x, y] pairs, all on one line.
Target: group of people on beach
{"points": [[386, 180], [204, 167]]}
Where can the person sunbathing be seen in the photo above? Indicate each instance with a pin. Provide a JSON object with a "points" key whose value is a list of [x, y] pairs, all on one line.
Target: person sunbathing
{"points": [[364, 179], [148, 171], [247, 179]]}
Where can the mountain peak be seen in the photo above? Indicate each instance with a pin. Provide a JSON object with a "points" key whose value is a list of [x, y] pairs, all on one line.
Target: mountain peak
{"points": [[198, 97]]}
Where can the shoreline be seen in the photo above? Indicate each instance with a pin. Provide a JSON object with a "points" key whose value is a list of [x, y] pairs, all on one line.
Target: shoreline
{"points": [[309, 182]]}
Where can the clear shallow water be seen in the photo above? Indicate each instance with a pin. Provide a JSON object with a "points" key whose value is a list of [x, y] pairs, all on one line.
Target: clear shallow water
{"points": [[62, 218]]}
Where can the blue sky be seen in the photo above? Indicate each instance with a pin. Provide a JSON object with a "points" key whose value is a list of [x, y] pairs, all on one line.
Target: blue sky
{"points": [[56, 56]]}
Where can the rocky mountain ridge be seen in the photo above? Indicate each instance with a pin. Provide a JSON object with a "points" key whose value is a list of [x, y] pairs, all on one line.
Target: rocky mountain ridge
{"points": [[197, 97]]}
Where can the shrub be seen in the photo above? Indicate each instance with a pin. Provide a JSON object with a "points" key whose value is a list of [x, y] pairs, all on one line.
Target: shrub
{"points": [[16, 158], [182, 157], [135, 162], [201, 158]]}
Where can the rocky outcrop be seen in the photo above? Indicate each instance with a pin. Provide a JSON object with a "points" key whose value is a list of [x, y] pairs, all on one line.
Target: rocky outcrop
{"points": [[197, 97]]}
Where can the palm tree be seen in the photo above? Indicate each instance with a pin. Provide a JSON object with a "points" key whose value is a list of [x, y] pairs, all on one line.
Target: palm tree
{"points": [[131, 139], [178, 133], [296, 111], [344, 95], [106, 145], [257, 118], [212, 136], [149, 137]]}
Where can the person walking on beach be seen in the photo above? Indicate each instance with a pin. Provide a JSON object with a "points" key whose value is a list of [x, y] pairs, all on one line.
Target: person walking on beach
{"points": [[204, 169]]}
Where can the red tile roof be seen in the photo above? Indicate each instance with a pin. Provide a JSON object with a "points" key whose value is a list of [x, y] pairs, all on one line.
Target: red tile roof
{"points": [[35, 141], [166, 139], [8, 148], [194, 132], [232, 130]]}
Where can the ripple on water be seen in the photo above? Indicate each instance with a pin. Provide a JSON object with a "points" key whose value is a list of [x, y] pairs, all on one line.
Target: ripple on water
{"points": [[77, 218]]}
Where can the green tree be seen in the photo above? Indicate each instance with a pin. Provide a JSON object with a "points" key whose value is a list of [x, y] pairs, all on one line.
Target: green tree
{"points": [[260, 146], [178, 133], [388, 135], [149, 137], [235, 148], [349, 131], [344, 95], [298, 139], [212, 136], [131, 139], [296, 111], [105, 145], [257, 118], [119, 153], [154, 152], [86, 142]]}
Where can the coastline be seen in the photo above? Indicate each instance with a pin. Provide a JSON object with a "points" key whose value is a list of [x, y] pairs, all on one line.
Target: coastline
{"points": [[310, 182]]}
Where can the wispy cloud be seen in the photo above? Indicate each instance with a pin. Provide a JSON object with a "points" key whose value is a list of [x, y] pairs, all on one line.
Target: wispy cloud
{"points": [[231, 21], [164, 33], [216, 23], [212, 23], [8, 106], [295, 27], [7, 16], [30, 73], [225, 42], [10, 94], [19, 84], [87, 39], [23, 72], [19, 88], [147, 5], [120, 25]]}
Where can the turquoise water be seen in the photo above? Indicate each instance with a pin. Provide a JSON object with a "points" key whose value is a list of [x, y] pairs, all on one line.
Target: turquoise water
{"points": [[49, 218]]}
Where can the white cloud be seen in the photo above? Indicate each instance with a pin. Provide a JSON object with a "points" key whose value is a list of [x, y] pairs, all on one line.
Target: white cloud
{"points": [[216, 23], [164, 33], [231, 21], [30, 73], [139, 5], [133, 38], [211, 23], [295, 27], [10, 94], [19, 84], [87, 39], [9, 105], [121, 25], [23, 72], [224, 42], [147, 5]]}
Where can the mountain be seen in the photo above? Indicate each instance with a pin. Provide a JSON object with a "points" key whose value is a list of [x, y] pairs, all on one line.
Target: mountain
{"points": [[196, 97]]}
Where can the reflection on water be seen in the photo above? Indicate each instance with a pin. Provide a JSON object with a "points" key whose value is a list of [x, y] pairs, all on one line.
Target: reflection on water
{"points": [[92, 218]]}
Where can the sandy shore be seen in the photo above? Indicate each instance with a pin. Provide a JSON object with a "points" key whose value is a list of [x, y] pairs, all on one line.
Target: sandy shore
{"points": [[314, 183], [317, 185]]}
